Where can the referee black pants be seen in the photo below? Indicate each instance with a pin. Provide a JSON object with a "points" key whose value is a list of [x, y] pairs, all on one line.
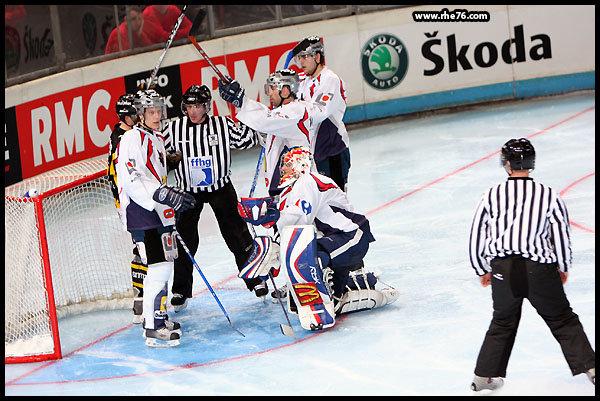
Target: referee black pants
{"points": [[234, 230], [515, 278]]}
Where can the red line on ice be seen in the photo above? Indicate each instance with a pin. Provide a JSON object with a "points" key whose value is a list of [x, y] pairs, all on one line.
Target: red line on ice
{"points": [[371, 212]]}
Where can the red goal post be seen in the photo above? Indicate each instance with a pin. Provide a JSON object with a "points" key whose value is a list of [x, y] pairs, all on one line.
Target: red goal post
{"points": [[66, 252]]}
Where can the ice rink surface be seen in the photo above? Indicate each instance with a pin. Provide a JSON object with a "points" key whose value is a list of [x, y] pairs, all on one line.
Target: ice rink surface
{"points": [[418, 179]]}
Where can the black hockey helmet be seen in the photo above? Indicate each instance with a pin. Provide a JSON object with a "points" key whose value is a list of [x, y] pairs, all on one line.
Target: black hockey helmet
{"points": [[125, 107], [519, 153], [196, 94], [310, 45]]}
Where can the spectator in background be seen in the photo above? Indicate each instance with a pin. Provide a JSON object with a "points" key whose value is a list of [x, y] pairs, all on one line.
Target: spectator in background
{"points": [[145, 31], [14, 13], [167, 16]]}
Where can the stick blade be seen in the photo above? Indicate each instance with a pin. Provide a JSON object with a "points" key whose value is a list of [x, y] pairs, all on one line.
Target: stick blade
{"points": [[197, 22], [287, 330]]}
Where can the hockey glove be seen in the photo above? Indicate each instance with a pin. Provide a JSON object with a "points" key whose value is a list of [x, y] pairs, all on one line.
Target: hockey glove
{"points": [[231, 92], [175, 197], [259, 211]]}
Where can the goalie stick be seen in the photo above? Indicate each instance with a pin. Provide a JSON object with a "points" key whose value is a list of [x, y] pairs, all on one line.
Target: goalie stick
{"points": [[286, 329]]}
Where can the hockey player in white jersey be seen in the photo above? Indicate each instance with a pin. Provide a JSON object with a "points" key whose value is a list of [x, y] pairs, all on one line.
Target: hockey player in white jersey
{"points": [[149, 207], [327, 264], [290, 123], [321, 85]]}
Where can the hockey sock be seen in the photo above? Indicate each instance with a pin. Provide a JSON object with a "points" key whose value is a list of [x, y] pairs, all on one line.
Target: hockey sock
{"points": [[155, 294], [138, 273]]}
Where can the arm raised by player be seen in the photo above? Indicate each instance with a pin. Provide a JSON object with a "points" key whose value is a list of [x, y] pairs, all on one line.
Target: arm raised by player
{"points": [[294, 120], [242, 136]]}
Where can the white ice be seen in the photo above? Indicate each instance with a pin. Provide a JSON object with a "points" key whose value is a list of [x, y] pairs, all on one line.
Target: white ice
{"points": [[419, 180]]}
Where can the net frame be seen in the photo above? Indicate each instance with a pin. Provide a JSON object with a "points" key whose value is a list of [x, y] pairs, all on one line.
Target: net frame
{"points": [[63, 183]]}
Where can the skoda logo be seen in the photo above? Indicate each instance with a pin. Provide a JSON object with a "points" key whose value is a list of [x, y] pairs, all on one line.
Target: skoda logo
{"points": [[384, 61]]}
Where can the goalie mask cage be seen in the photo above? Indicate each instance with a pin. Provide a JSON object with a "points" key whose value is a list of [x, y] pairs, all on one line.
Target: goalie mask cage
{"points": [[66, 252]]}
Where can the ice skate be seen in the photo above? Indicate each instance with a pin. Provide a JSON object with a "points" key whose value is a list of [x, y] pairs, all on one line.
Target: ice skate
{"points": [[172, 326], [261, 290], [161, 338], [486, 383], [137, 310], [179, 302]]}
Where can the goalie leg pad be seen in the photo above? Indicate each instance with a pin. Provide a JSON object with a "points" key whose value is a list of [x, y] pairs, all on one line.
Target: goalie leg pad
{"points": [[155, 295], [305, 278]]}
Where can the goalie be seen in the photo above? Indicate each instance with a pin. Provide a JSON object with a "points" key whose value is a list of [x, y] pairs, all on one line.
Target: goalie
{"points": [[325, 275]]}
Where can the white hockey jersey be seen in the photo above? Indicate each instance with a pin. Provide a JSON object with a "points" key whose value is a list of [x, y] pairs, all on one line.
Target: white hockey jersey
{"points": [[328, 90], [315, 199], [141, 168], [292, 124]]}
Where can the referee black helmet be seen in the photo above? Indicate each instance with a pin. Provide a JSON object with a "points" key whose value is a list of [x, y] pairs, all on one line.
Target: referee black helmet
{"points": [[519, 153], [196, 94]]}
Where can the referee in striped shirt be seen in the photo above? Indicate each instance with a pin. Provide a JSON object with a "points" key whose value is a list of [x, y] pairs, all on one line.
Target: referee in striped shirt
{"points": [[520, 244], [200, 147]]}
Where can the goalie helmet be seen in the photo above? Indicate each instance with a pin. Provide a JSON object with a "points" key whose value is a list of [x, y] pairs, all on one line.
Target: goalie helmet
{"points": [[149, 98], [196, 94], [519, 153], [124, 106], [309, 46], [297, 161], [281, 78]]}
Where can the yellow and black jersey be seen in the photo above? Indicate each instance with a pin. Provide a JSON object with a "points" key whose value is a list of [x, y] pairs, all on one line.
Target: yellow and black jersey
{"points": [[115, 138]]}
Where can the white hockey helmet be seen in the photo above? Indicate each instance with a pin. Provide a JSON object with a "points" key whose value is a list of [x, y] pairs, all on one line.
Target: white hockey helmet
{"points": [[309, 46], [281, 78], [298, 160], [149, 98]]}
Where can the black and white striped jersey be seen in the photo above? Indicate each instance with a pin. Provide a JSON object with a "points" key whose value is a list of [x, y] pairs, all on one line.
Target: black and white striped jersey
{"points": [[206, 150], [523, 217]]}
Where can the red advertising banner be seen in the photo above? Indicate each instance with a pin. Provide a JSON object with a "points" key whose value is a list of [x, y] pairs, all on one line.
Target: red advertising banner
{"points": [[75, 125], [66, 127], [250, 68]]}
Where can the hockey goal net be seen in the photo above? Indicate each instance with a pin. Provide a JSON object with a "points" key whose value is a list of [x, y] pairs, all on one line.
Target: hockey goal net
{"points": [[66, 252]]}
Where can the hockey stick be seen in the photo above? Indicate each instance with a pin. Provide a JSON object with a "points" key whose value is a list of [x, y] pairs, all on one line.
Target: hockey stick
{"points": [[192, 37], [260, 159], [206, 281], [286, 330], [169, 41], [288, 59]]}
